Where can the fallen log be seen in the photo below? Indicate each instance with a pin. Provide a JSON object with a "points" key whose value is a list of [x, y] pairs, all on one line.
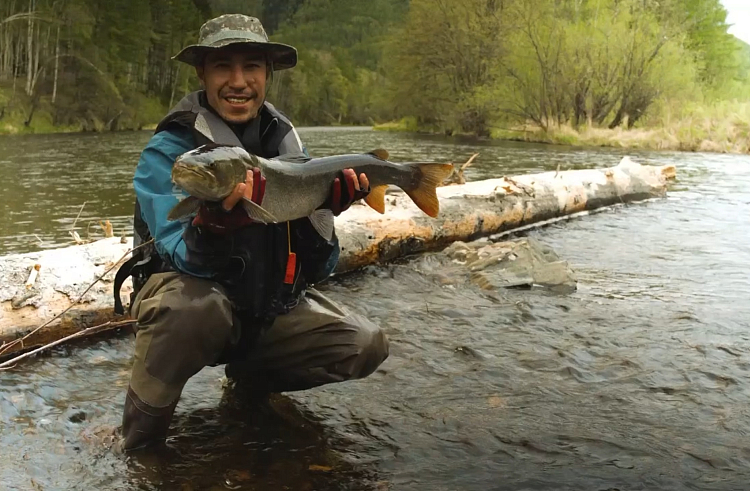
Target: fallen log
{"points": [[468, 211]]}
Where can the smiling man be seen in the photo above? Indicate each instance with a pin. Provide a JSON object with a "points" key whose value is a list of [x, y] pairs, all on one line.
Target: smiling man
{"points": [[218, 288]]}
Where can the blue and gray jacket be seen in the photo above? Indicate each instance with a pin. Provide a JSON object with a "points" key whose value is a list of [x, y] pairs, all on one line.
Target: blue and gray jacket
{"points": [[250, 263]]}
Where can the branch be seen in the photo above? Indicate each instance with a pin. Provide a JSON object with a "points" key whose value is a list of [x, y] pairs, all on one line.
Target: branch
{"points": [[27, 15], [43, 66], [7, 365]]}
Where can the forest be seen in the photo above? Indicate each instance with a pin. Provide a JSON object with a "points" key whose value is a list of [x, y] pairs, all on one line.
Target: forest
{"points": [[503, 68]]}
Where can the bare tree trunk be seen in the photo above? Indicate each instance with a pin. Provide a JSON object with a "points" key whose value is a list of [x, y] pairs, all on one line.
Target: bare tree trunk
{"points": [[57, 64], [29, 48], [5, 48], [16, 68], [174, 86], [36, 51], [34, 104], [37, 70], [8, 55]]}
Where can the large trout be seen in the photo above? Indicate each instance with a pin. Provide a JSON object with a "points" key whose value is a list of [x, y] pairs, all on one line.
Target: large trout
{"points": [[297, 186]]}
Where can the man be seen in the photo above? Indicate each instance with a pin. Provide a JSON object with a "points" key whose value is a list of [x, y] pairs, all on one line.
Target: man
{"points": [[218, 288]]}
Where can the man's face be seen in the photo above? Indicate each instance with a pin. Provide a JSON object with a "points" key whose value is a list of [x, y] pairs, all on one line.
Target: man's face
{"points": [[235, 83]]}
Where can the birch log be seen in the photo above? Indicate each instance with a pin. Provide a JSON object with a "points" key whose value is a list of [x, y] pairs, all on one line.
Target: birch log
{"points": [[366, 237]]}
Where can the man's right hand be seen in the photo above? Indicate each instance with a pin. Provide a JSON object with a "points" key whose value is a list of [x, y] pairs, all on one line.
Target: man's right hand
{"points": [[228, 216]]}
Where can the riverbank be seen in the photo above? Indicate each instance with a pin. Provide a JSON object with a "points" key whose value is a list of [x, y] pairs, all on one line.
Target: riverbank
{"points": [[20, 114], [721, 128]]}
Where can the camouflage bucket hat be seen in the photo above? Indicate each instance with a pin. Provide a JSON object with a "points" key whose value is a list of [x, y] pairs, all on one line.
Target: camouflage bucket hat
{"points": [[231, 29]]}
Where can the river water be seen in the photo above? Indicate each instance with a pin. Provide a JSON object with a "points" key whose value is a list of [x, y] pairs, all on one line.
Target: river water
{"points": [[639, 380]]}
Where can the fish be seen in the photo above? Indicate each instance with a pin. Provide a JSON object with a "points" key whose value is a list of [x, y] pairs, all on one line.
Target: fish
{"points": [[296, 185]]}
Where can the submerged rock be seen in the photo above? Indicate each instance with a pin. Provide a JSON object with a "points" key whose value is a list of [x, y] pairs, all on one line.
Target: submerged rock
{"points": [[517, 263]]}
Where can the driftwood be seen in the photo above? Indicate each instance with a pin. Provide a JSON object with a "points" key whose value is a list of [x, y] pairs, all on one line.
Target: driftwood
{"points": [[63, 283], [457, 176], [20, 343]]}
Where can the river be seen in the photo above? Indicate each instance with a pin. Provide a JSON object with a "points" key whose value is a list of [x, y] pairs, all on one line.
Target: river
{"points": [[639, 380]]}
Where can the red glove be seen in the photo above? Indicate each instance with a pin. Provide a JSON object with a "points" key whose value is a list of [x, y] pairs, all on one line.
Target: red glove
{"points": [[354, 189], [214, 217]]}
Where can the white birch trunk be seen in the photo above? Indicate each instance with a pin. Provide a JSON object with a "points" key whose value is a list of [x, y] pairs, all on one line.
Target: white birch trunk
{"points": [[29, 49], [57, 64]]}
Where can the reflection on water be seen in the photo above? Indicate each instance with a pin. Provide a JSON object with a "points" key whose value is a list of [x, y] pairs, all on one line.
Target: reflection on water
{"points": [[639, 380]]}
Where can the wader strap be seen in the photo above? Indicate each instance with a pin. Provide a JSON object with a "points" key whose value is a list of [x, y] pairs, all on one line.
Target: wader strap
{"points": [[129, 267]]}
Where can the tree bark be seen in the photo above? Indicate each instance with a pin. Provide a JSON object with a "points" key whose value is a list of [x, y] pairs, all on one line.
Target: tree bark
{"points": [[467, 211], [29, 48], [57, 64], [174, 86]]}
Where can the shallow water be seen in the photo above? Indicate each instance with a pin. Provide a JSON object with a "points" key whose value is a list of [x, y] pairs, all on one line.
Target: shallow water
{"points": [[639, 380]]}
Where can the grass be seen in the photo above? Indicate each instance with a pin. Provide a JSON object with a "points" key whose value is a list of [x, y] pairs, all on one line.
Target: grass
{"points": [[16, 112], [723, 127], [407, 124], [141, 112], [42, 123]]}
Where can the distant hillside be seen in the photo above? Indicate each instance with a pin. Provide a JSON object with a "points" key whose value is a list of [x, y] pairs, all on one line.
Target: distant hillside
{"points": [[451, 66]]}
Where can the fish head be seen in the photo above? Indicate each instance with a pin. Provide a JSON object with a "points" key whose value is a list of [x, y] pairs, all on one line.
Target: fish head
{"points": [[210, 172]]}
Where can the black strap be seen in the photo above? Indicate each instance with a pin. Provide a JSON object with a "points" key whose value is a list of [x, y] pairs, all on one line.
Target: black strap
{"points": [[126, 270]]}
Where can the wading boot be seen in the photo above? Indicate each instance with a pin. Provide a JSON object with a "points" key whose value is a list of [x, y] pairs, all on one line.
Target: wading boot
{"points": [[143, 425]]}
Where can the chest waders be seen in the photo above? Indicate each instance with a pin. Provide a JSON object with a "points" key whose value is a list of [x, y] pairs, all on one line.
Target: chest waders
{"points": [[268, 135]]}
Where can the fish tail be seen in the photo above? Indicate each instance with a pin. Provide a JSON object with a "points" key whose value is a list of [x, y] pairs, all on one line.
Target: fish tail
{"points": [[424, 194]]}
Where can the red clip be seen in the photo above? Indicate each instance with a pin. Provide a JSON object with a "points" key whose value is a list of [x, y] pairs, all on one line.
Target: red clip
{"points": [[291, 266]]}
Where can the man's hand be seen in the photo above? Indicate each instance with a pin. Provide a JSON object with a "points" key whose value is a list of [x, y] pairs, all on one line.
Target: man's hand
{"points": [[353, 189], [229, 216]]}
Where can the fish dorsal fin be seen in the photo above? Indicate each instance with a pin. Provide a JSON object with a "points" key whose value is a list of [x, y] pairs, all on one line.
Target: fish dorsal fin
{"points": [[380, 153], [293, 158]]}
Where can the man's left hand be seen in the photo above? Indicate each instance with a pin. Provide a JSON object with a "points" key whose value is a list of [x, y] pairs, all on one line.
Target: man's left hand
{"points": [[229, 217], [346, 193]]}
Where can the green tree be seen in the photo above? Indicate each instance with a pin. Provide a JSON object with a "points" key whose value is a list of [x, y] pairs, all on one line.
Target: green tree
{"points": [[442, 59]]}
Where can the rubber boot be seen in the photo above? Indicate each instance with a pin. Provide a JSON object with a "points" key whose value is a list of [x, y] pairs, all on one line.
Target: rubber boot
{"points": [[143, 425]]}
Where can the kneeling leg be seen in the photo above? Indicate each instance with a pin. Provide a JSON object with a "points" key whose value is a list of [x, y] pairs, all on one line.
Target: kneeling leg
{"points": [[183, 324], [316, 343]]}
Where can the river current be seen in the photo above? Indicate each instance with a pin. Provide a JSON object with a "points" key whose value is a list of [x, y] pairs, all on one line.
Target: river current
{"points": [[639, 380]]}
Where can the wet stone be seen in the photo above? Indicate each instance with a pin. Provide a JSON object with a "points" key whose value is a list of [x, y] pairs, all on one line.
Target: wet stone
{"points": [[77, 417], [523, 262]]}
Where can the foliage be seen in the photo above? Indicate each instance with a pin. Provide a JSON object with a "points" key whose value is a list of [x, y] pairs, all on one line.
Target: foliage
{"points": [[94, 64], [475, 65], [568, 67], [339, 77]]}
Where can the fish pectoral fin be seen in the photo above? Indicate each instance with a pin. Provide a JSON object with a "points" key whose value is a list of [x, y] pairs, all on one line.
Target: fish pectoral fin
{"points": [[425, 195], [380, 153], [184, 208], [257, 212], [322, 222], [376, 198]]}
